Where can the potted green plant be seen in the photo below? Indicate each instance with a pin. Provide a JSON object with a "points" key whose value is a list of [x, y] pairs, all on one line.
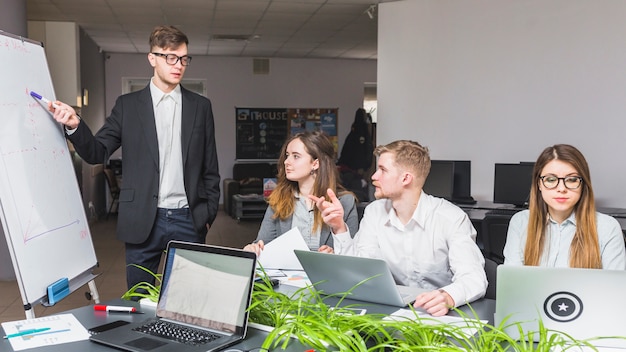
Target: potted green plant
{"points": [[305, 315]]}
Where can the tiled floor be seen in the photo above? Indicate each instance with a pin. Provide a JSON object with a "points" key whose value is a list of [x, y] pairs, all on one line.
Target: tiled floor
{"points": [[111, 283]]}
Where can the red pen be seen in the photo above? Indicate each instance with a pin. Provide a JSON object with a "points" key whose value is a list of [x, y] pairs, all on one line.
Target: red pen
{"points": [[120, 309]]}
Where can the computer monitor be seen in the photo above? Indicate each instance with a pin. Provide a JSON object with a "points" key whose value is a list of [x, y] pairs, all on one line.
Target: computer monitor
{"points": [[462, 192], [440, 180], [511, 183]]}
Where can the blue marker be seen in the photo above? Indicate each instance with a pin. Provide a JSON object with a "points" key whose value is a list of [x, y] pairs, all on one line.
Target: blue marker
{"points": [[26, 332], [35, 95]]}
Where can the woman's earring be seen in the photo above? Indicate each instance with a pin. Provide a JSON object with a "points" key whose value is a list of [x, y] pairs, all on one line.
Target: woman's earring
{"points": [[312, 172]]}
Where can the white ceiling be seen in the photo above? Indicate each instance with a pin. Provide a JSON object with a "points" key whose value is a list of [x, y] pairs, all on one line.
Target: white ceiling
{"points": [[274, 28]]}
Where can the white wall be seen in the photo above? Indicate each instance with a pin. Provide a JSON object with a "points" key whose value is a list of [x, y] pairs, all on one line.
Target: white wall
{"points": [[62, 47], [299, 83], [500, 80]]}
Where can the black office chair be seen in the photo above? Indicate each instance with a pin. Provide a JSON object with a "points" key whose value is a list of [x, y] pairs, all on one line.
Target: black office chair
{"points": [[491, 270], [493, 231], [114, 190]]}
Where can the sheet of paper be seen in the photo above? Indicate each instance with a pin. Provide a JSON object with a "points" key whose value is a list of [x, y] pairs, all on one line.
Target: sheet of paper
{"points": [[61, 328], [470, 326], [295, 278], [279, 254]]}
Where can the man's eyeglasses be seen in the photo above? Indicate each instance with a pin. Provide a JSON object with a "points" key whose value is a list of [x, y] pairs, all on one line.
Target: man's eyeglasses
{"points": [[172, 59], [570, 182]]}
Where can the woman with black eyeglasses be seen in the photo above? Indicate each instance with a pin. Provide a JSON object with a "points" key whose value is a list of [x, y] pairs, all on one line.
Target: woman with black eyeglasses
{"points": [[561, 228]]}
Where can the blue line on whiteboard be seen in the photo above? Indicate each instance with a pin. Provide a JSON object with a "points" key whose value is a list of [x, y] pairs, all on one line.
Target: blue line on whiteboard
{"points": [[75, 222]]}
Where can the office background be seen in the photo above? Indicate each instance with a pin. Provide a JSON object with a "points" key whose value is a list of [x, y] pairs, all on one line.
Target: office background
{"points": [[230, 83], [482, 80], [497, 81]]}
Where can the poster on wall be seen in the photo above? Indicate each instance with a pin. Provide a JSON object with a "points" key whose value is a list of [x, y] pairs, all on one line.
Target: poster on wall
{"points": [[261, 132], [314, 120]]}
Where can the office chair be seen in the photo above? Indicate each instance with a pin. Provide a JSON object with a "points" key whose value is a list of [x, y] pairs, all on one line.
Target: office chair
{"points": [[491, 270], [114, 189], [493, 231]]}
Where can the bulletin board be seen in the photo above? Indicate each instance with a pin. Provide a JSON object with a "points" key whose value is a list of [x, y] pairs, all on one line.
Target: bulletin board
{"points": [[261, 132]]}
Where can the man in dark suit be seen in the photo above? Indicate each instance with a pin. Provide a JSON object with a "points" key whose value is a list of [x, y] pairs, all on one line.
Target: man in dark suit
{"points": [[171, 179]]}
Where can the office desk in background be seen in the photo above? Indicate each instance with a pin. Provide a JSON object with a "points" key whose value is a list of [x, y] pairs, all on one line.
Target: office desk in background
{"points": [[477, 212], [254, 339]]}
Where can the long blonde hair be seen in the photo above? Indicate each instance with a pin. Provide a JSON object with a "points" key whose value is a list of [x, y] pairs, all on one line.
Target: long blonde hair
{"points": [[584, 249], [319, 146]]}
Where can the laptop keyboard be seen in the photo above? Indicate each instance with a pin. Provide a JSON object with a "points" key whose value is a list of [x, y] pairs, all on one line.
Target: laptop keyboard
{"points": [[182, 334]]}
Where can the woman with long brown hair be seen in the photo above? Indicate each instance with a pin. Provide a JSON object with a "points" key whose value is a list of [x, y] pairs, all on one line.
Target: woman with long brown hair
{"points": [[306, 167], [562, 228]]}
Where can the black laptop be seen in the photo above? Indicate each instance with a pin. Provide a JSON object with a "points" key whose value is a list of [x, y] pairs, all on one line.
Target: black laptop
{"points": [[203, 305]]}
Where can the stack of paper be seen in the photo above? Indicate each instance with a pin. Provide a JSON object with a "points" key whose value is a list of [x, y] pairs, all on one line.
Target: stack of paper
{"points": [[45, 331]]}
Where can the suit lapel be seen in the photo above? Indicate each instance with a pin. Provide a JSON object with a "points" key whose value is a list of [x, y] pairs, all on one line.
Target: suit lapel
{"points": [[145, 112], [190, 106]]}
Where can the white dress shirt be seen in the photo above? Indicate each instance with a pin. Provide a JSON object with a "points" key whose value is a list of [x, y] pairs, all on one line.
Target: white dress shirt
{"points": [[558, 239], [168, 113], [436, 249]]}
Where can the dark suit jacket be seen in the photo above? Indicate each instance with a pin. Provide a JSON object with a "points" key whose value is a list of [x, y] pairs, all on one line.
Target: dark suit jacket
{"points": [[132, 126]]}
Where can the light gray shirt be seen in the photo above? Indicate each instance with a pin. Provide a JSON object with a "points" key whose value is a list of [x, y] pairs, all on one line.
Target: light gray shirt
{"points": [[556, 252], [168, 109], [303, 218]]}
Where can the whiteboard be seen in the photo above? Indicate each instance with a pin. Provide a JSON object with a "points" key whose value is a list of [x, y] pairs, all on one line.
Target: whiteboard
{"points": [[41, 207]]}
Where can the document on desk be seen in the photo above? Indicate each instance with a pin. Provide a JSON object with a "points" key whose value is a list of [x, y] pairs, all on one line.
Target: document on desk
{"points": [[279, 254], [45, 331], [468, 325]]}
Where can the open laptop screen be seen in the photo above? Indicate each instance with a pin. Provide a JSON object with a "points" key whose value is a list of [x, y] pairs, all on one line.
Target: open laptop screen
{"points": [[206, 289]]}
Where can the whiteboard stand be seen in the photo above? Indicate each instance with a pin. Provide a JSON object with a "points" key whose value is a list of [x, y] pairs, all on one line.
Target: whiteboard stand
{"points": [[76, 283], [41, 206]]}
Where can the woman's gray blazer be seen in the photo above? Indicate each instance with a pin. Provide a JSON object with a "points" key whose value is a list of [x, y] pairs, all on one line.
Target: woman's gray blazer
{"points": [[272, 228]]}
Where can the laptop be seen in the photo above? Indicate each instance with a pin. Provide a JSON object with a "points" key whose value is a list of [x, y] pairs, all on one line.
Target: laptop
{"points": [[333, 274], [583, 303], [206, 289]]}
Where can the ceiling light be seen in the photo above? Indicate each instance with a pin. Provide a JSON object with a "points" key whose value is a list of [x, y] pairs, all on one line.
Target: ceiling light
{"points": [[235, 37]]}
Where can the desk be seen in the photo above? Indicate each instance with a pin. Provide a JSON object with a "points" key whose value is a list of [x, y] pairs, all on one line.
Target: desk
{"points": [[89, 318], [476, 212], [484, 308]]}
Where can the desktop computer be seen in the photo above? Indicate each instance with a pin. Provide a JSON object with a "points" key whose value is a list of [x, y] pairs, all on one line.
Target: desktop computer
{"points": [[462, 190], [450, 179], [440, 180], [512, 182]]}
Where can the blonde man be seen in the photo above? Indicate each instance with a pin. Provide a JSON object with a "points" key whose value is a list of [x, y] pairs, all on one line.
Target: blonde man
{"points": [[426, 241]]}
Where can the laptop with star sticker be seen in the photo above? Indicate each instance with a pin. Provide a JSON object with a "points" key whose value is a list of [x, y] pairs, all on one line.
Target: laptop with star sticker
{"points": [[582, 303]]}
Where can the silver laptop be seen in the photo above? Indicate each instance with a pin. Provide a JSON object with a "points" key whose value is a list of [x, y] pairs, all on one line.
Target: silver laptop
{"points": [[333, 274], [583, 303], [206, 291]]}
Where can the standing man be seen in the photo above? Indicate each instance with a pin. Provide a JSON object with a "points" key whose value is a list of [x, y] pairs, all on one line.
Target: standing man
{"points": [[171, 180], [426, 241]]}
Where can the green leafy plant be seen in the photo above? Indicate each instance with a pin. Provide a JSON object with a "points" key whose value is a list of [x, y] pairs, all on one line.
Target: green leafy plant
{"points": [[145, 289], [305, 315]]}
